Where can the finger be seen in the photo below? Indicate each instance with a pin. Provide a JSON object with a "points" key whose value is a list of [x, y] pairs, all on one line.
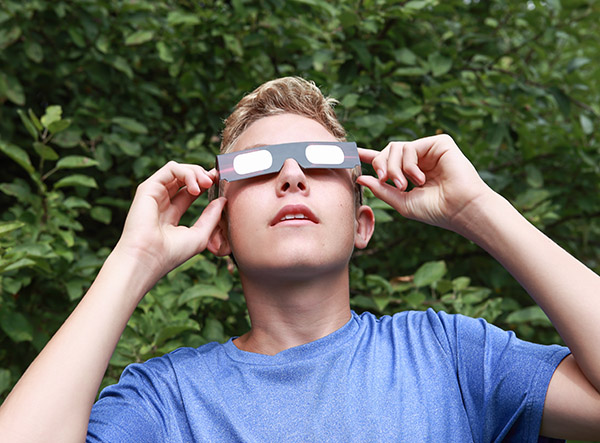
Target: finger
{"points": [[380, 163], [205, 179], [394, 163], [179, 204], [410, 165], [173, 176], [210, 217], [383, 191], [367, 155]]}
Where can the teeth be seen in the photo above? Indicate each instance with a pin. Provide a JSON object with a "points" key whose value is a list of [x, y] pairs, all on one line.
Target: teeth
{"points": [[293, 217]]}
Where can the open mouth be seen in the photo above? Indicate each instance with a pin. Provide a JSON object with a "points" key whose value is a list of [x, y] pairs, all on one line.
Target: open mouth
{"points": [[292, 213]]}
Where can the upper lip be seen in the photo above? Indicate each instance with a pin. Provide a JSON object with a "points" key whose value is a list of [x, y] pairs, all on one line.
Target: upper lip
{"points": [[291, 210]]}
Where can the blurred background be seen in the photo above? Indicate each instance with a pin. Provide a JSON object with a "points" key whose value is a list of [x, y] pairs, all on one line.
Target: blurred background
{"points": [[96, 95]]}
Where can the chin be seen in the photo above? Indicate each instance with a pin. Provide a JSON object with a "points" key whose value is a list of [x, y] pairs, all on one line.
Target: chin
{"points": [[295, 265]]}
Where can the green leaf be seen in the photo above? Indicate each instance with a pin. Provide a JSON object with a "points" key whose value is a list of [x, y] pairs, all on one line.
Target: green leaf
{"points": [[68, 138], [139, 37], [53, 114], [34, 51], [429, 273], [439, 64], [415, 298], [12, 89], [17, 154], [120, 64], [9, 36], [350, 100], [417, 5], [535, 179], [18, 264], [322, 4], [200, 291], [28, 124], [76, 180], [101, 214], [233, 44], [6, 227], [76, 36], [133, 149], [75, 161], [130, 125], [164, 52], [16, 326], [577, 63], [586, 124], [103, 44], [381, 302], [59, 125], [405, 56], [410, 71], [213, 330], [18, 189], [382, 216], [528, 315], [35, 120], [171, 331], [182, 18], [460, 283], [408, 112], [45, 151]]}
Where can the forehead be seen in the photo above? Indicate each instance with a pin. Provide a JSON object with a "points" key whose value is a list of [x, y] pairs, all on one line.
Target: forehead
{"points": [[283, 128]]}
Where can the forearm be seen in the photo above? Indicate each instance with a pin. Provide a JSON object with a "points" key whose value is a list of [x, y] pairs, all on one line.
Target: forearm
{"points": [[561, 285], [53, 399]]}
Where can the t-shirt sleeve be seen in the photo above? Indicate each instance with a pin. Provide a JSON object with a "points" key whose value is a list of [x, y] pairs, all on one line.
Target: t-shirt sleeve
{"points": [[137, 408], [503, 380]]}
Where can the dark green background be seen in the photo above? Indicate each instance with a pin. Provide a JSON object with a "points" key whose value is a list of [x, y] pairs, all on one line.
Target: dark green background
{"points": [[96, 95]]}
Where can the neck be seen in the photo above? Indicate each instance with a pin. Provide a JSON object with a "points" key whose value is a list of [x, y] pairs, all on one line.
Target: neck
{"points": [[287, 313]]}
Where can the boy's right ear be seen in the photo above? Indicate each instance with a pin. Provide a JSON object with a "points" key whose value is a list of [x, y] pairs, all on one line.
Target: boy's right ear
{"points": [[218, 242]]}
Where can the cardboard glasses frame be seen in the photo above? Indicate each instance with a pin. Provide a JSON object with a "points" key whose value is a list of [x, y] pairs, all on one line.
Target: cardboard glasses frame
{"points": [[269, 159]]}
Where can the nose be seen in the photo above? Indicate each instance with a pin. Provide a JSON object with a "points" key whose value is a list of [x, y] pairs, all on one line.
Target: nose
{"points": [[291, 178]]}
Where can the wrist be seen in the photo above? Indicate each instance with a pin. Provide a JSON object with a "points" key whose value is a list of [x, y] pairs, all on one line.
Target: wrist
{"points": [[479, 216], [134, 269]]}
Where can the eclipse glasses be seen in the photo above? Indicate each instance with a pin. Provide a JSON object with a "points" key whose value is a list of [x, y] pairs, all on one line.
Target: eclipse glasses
{"points": [[269, 159]]}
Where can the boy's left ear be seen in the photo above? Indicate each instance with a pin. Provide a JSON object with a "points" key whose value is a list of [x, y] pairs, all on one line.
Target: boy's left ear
{"points": [[365, 225]]}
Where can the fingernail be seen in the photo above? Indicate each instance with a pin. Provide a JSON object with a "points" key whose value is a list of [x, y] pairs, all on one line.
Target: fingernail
{"points": [[380, 173], [398, 183]]}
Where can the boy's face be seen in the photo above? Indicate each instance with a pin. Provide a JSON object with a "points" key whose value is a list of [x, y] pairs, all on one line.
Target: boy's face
{"points": [[296, 221]]}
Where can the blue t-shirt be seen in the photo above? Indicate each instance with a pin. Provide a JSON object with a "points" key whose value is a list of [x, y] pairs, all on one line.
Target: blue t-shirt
{"points": [[414, 377]]}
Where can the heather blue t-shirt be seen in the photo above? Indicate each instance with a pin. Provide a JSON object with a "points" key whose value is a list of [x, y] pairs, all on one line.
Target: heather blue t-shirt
{"points": [[414, 377]]}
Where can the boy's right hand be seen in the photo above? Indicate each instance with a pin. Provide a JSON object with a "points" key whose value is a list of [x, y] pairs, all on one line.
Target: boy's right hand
{"points": [[152, 233]]}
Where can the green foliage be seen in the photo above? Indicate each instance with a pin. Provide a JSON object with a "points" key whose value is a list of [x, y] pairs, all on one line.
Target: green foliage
{"points": [[96, 95]]}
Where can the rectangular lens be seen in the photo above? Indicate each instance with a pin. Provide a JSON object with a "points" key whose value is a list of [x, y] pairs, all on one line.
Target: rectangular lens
{"points": [[324, 154], [250, 162]]}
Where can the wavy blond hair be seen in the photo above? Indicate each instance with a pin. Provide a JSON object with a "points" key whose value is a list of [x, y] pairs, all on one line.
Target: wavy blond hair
{"points": [[287, 95]]}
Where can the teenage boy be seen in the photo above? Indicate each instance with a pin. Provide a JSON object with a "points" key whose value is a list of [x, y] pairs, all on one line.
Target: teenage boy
{"points": [[310, 369]]}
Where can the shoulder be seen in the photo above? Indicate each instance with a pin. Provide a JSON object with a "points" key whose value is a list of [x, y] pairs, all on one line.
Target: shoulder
{"points": [[159, 372]]}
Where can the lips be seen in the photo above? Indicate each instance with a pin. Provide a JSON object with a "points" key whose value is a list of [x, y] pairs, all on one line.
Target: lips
{"points": [[294, 213]]}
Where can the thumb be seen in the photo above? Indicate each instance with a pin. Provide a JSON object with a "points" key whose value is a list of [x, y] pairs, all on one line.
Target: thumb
{"points": [[206, 223], [210, 217], [389, 194]]}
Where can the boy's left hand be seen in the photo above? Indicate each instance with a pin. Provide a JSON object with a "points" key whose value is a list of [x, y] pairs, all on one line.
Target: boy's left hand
{"points": [[446, 182]]}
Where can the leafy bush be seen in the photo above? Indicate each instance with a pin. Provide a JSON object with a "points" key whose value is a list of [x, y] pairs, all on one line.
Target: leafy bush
{"points": [[96, 95]]}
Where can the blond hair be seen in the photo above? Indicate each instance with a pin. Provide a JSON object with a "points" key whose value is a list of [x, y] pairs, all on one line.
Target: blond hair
{"points": [[287, 95]]}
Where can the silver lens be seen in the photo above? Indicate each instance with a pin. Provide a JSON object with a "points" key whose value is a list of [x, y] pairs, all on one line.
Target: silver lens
{"points": [[250, 162], [324, 154]]}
